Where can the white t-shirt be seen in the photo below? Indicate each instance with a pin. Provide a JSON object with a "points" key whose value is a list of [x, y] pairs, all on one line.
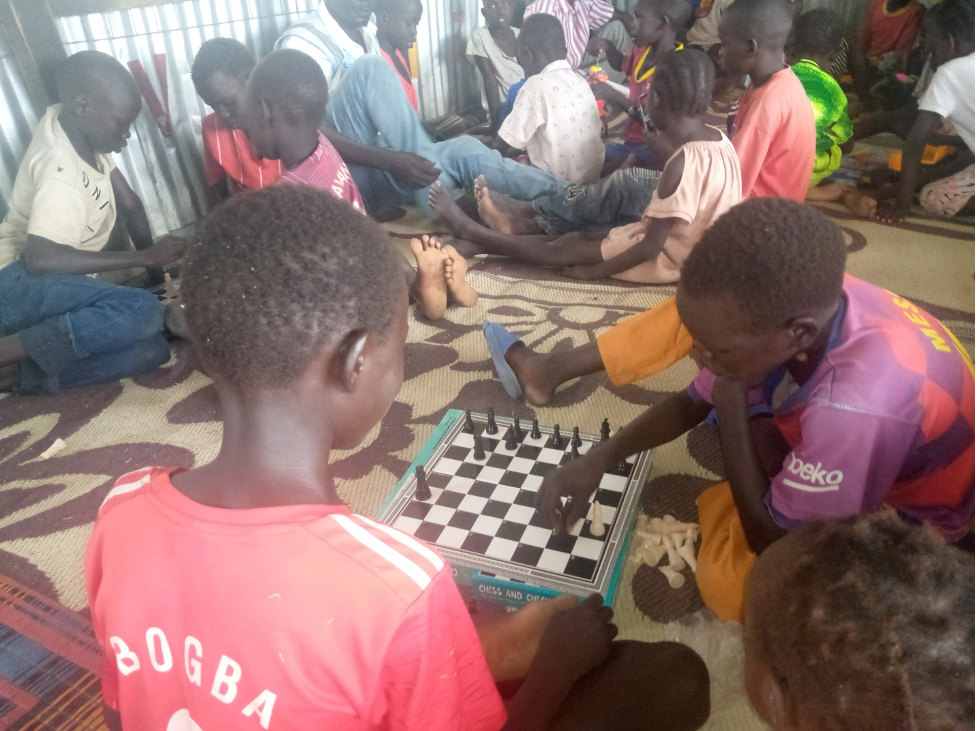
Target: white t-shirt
{"points": [[555, 120], [705, 31], [57, 195], [507, 69], [320, 36], [951, 95]]}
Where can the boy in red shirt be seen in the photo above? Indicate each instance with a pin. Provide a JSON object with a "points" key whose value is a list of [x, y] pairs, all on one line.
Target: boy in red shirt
{"points": [[243, 594]]}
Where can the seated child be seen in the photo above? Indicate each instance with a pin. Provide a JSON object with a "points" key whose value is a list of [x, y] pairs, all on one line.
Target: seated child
{"points": [[396, 32], [656, 23], [704, 32], [285, 97], [220, 74], [862, 623], [61, 328], [890, 26], [578, 18], [701, 181], [555, 118], [492, 48], [243, 593], [814, 44], [948, 186], [782, 332]]}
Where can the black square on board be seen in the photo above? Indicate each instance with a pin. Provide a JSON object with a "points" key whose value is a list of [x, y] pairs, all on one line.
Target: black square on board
{"points": [[512, 479], [510, 530], [456, 452], [482, 489], [526, 498], [450, 499], [608, 497], [499, 460], [526, 554], [540, 521], [437, 479], [542, 469], [463, 519], [429, 532], [416, 509], [527, 451], [496, 509], [470, 470], [476, 543], [580, 567], [563, 542]]}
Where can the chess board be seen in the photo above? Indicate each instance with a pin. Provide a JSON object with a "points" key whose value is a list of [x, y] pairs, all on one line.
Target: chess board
{"points": [[481, 513]]}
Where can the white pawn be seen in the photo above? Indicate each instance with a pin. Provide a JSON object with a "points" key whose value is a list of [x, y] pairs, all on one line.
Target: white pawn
{"points": [[596, 520], [675, 579]]}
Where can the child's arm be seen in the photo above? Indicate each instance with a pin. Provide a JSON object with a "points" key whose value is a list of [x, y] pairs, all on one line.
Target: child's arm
{"points": [[614, 57], [43, 256], [491, 83], [410, 169], [912, 159], [521, 124], [608, 93], [658, 425], [504, 147]]}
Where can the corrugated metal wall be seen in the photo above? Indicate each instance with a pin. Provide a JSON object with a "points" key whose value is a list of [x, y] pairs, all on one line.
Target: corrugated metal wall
{"points": [[448, 81], [17, 121]]}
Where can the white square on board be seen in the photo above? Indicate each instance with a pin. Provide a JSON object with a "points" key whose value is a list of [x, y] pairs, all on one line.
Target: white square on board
{"points": [[473, 504], [452, 537], [501, 548], [439, 514], [487, 525], [588, 548], [520, 514], [460, 484], [447, 466], [505, 494], [536, 536], [553, 561], [408, 525]]}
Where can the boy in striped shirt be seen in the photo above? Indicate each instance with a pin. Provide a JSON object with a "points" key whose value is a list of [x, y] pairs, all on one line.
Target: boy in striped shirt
{"points": [[243, 594]]}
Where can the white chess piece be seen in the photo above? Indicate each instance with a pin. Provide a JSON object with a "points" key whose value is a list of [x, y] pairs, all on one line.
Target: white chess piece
{"points": [[650, 554], [686, 549], [674, 560], [596, 520], [675, 579]]}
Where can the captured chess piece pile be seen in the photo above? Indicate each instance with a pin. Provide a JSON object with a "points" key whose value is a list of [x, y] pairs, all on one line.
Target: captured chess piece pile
{"points": [[667, 537]]}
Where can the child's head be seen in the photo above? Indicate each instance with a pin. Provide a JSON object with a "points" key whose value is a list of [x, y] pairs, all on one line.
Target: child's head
{"points": [[101, 98], [286, 97], [864, 624], [220, 75], [498, 13], [751, 31], [948, 30], [659, 20], [681, 87], [541, 42], [291, 291], [817, 36], [397, 21], [761, 286], [351, 13]]}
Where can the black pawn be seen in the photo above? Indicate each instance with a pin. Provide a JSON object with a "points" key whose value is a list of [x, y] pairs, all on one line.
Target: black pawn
{"points": [[535, 433], [605, 430], [510, 439], [491, 427], [576, 440], [557, 441], [479, 452], [422, 491], [517, 429], [469, 426], [573, 450]]}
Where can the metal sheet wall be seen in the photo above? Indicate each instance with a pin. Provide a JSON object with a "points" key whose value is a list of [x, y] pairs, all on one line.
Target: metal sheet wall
{"points": [[448, 81], [17, 121]]}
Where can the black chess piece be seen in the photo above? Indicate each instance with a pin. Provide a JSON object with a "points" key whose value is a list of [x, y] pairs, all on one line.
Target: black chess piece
{"points": [[510, 439], [535, 433], [573, 450], [557, 441], [576, 440], [517, 429], [491, 427], [421, 492], [479, 452], [469, 426], [605, 430]]}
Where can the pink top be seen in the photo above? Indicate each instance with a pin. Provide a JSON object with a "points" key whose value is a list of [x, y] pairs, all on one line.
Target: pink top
{"points": [[291, 617], [325, 169], [407, 84], [709, 187], [774, 137], [228, 155], [577, 20]]}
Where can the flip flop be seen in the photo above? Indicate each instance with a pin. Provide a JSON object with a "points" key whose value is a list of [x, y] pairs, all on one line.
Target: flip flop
{"points": [[499, 341]]}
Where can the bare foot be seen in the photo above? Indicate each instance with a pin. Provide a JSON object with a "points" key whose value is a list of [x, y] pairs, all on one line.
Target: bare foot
{"points": [[175, 318], [430, 287], [448, 212], [532, 373], [825, 192], [503, 221], [860, 204], [455, 271]]}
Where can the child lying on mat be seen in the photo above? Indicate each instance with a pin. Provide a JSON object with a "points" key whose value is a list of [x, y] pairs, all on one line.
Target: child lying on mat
{"points": [[871, 399], [864, 623], [244, 594], [701, 180]]}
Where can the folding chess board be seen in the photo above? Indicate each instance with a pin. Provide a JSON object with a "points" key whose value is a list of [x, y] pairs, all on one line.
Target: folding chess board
{"points": [[481, 513]]}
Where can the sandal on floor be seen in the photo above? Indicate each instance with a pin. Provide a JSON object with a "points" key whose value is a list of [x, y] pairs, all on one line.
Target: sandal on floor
{"points": [[499, 341]]}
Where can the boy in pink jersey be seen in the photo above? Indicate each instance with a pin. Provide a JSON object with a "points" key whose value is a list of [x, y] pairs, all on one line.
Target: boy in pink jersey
{"points": [[834, 397], [243, 594]]}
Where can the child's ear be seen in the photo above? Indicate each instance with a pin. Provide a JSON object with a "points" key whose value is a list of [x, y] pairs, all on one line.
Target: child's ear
{"points": [[79, 105], [350, 359], [804, 331]]}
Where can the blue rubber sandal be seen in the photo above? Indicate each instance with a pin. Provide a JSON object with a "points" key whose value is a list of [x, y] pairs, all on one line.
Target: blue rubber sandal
{"points": [[499, 341]]}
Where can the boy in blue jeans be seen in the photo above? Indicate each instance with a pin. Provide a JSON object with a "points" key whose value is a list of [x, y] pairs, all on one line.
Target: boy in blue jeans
{"points": [[61, 327]]}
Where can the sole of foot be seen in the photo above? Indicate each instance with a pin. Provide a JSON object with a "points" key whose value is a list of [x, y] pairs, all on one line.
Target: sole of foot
{"points": [[432, 289], [455, 275], [859, 204]]}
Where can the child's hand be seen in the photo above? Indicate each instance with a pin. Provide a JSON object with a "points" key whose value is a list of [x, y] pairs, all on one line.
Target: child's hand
{"points": [[601, 90], [597, 45], [587, 272], [165, 251], [576, 480], [414, 170], [579, 640]]}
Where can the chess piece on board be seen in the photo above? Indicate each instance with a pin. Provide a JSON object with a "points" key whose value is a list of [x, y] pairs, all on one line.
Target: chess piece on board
{"points": [[535, 433], [574, 452], [576, 440], [422, 491], [517, 429], [491, 427], [605, 430], [596, 520], [469, 426], [510, 439], [479, 452], [557, 441]]}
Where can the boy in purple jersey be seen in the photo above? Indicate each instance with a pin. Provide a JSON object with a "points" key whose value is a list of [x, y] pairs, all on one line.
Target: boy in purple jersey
{"points": [[834, 397]]}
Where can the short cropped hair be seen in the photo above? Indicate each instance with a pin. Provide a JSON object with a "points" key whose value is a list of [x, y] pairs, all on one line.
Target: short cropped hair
{"points": [[678, 12], [874, 626], [955, 18], [292, 82], [545, 32], [278, 274], [683, 80], [775, 258], [92, 72], [768, 21], [224, 55], [817, 33]]}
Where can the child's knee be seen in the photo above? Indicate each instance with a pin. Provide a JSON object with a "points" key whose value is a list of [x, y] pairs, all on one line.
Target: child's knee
{"points": [[144, 312], [146, 355]]}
